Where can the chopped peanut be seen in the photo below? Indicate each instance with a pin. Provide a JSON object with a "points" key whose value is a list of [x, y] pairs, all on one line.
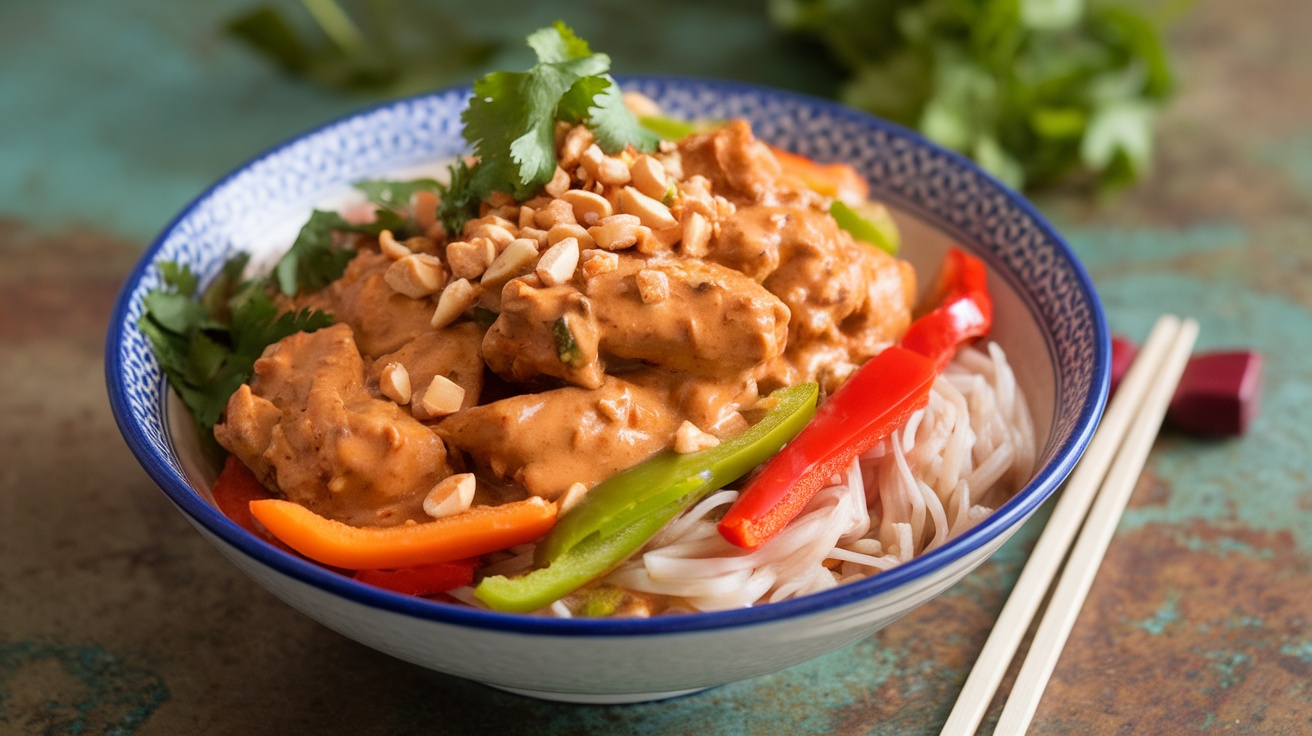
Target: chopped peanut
{"points": [[469, 259], [589, 208], [651, 212], [394, 382], [672, 160], [455, 299], [649, 177], [416, 275], [616, 232], [688, 438], [613, 171], [696, 235], [570, 498], [559, 183], [497, 229], [590, 160], [578, 232], [390, 248], [517, 255], [576, 142], [533, 233], [597, 262], [442, 397], [556, 212], [557, 265], [451, 495], [653, 286], [526, 215]]}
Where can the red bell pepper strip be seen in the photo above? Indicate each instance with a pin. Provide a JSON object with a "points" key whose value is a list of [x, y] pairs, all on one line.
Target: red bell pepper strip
{"points": [[233, 492], [874, 402], [964, 311], [422, 579]]}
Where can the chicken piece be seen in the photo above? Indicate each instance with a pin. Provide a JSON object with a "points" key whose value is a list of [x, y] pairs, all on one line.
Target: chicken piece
{"points": [[309, 428], [830, 283], [706, 319], [544, 331], [738, 165], [382, 319], [545, 442], [452, 352]]}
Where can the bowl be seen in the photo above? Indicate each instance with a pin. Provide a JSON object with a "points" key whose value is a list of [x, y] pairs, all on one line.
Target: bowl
{"points": [[1048, 319]]}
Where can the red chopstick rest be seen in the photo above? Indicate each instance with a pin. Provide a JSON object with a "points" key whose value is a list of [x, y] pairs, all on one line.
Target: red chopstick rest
{"points": [[1218, 395]]}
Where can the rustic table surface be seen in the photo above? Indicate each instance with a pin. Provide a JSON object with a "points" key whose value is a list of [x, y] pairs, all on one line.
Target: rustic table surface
{"points": [[115, 617]]}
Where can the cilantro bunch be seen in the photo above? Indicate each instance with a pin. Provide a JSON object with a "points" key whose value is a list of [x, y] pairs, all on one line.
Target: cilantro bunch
{"points": [[1034, 90]]}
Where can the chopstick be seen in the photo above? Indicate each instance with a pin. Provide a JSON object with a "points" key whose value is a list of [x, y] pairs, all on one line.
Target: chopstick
{"points": [[1125, 436]]}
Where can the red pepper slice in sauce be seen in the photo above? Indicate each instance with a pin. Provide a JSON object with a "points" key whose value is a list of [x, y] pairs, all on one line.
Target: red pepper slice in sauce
{"points": [[422, 579], [877, 399]]}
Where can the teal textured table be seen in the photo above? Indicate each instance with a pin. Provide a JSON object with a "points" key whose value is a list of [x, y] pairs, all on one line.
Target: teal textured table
{"points": [[115, 617]]}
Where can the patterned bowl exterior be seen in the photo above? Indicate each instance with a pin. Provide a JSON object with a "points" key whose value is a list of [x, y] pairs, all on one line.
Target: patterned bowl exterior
{"points": [[627, 660]]}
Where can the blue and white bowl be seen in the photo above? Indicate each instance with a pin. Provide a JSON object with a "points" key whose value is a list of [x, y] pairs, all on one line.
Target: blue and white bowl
{"points": [[1048, 319]]}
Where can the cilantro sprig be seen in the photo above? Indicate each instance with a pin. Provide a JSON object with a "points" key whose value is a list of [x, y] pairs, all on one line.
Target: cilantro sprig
{"points": [[207, 343], [208, 347], [511, 120], [1036, 91]]}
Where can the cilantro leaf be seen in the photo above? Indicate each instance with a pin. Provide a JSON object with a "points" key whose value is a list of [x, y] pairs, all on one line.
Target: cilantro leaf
{"points": [[315, 259], [613, 125]]}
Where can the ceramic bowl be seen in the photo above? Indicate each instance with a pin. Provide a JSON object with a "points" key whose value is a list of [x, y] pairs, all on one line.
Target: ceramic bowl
{"points": [[1048, 319]]}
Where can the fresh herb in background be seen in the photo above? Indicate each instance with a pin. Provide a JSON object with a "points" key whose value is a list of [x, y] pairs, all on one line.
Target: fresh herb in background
{"points": [[1034, 90], [386, 51]]}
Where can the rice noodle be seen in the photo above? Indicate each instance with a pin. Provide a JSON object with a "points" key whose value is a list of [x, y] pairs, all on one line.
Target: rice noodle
{"points": [[931, 480]]}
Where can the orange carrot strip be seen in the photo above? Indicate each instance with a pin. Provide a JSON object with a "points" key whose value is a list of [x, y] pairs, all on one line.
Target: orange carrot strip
{"points": [[479, 530], [832, 180]]}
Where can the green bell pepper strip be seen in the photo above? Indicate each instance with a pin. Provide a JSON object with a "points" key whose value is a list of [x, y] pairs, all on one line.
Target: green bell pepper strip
{"points": [[578, 565], [622, 513], [623, 498], [875, 226]]}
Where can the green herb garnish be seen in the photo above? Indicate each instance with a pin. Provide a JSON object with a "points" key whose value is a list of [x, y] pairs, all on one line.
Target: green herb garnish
{"points": [[511, 121], [208, 347], [1034, 90], [567, 348]]}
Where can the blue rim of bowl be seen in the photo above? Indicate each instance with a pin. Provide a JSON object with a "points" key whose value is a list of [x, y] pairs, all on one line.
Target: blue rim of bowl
{"points": [[1020, 506]]}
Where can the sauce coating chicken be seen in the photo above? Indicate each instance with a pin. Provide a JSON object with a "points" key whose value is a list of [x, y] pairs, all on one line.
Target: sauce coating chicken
{"points": [[693, 284]]}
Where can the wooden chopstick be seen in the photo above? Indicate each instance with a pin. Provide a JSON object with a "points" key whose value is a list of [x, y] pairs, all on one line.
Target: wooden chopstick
{"points": [[1125, 435]]}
